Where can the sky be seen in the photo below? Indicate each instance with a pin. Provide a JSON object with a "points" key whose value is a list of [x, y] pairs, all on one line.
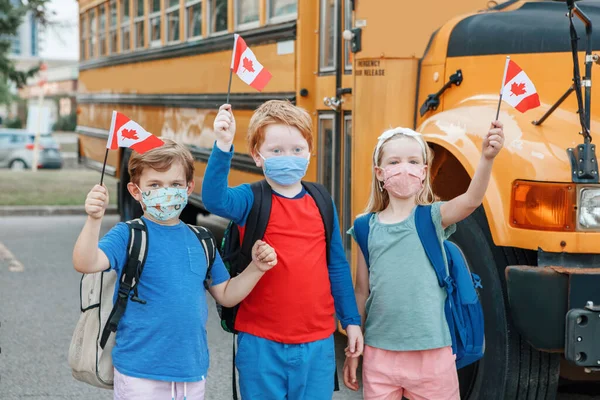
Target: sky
{"points": [[61, 41]]}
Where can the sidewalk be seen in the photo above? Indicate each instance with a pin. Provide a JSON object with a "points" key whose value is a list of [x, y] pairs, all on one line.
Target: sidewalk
{"points": [[14, 211]]}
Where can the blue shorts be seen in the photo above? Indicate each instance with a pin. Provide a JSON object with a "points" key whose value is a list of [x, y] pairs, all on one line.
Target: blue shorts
{"points": [[275, 371]]}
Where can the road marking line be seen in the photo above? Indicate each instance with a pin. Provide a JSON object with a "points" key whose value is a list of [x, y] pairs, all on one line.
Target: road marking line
{"points": [[14, 265]]}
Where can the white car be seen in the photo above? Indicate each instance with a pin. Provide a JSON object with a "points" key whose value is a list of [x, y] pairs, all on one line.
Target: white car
{"points": [[16, 150]]}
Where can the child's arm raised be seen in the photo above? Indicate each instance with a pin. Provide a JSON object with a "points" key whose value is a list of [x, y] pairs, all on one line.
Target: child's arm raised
{"points": [[462, 206], [234, 290], [218, 198], [87, 257]]}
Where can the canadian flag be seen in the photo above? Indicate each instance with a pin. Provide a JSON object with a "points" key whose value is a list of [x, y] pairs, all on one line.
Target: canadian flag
{"points": [[247, 67], [127, 133], [518, 90]]}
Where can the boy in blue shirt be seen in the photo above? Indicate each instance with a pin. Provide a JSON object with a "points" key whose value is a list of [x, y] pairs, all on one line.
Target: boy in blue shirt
{"points": [[161, 348]]}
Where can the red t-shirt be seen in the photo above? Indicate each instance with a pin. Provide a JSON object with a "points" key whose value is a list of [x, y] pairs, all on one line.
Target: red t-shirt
{"points": [[292, 303]]}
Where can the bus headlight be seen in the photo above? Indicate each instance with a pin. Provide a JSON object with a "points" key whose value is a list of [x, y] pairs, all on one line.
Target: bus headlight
{"points": [[589, 208]]}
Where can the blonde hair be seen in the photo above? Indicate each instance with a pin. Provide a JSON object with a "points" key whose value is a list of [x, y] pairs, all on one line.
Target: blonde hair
{"points": [[278, 112], [160, 159], [380, 199]]}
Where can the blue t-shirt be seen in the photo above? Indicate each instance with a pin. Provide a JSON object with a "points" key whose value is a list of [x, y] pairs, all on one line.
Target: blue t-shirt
{"points": [[164, 339]]}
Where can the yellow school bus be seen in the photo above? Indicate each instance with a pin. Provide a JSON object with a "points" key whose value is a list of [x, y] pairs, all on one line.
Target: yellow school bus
{"points": [[360, 67]]}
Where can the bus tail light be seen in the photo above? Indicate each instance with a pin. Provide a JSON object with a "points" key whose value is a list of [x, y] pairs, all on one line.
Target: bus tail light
{"points": [[543, 206]]}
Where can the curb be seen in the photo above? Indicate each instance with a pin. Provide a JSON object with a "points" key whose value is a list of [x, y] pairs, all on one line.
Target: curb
{"points": [[14, 211]]}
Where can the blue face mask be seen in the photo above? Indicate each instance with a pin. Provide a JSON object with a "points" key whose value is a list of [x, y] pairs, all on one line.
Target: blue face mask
{"points": [[285, 170]]}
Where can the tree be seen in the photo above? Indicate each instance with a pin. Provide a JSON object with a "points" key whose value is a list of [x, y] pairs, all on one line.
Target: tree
{"points": [[12, 13]]}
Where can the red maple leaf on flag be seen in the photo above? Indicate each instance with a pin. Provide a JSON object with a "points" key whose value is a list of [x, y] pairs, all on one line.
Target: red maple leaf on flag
{"points": [[517, 89], [248, 65], [129, 134]]}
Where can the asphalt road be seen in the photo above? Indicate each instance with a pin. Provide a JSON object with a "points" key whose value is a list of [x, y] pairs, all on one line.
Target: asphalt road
{"points": [[39, 306]]}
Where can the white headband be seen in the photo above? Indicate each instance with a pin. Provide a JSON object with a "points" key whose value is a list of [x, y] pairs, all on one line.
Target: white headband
{"points": [[399, 131]]}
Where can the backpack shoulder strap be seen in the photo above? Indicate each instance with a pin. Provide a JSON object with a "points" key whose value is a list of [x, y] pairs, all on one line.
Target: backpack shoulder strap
{"points": [[132, 271], [209, 244], [431, 244], [361, 232], [325, 205], [258, 218]]}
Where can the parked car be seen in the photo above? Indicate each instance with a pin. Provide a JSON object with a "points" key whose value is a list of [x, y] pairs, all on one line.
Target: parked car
{"points": [[16, 150]]}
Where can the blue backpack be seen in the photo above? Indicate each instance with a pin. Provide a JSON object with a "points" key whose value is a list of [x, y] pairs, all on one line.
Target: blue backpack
{"points": [[463, 309]]}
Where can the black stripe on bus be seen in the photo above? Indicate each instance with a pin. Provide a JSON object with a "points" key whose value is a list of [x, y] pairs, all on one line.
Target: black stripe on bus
{"points": [[241, 162], [264, 35], [240, 101], [539, 27]]}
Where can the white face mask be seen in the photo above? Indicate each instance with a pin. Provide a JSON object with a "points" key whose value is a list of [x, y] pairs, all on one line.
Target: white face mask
{"points": [[164, 204]]}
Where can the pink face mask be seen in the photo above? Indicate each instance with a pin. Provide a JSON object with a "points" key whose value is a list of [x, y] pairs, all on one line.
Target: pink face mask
{"points": [[403, 180]]}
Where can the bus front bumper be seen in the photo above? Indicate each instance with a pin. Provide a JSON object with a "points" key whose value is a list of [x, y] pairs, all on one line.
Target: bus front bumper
{"points": [[553, 305]]}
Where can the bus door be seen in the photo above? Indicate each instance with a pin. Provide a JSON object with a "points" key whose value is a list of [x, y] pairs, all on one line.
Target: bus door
{"points": [[335, 83]]}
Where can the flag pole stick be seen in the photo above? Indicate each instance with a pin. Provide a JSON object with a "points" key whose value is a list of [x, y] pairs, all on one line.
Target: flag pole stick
{"points": [[103, 167], [229, 87], [502, 87]]}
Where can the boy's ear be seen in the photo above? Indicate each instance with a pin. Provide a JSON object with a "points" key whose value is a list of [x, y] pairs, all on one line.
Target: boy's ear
{"points": [[257, 158], [191, 186], [134, 191]]}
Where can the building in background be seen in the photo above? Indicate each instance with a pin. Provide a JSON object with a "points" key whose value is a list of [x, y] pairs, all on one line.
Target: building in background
{"points": [[56, 45]]}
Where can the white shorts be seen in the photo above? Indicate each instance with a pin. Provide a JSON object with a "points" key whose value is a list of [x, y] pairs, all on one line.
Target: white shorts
{"points": [[130, 388]]}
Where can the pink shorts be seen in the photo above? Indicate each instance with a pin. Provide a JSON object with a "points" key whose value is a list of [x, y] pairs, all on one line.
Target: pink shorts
{"points": [[130, 388], [416, 375]]}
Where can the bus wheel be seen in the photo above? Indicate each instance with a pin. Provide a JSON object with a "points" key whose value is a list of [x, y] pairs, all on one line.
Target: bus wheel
{"points": [[510, 369], [129, 208]]}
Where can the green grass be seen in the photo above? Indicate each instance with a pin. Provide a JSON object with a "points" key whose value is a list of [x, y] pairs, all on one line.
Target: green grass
{"points": [[64, 187]]}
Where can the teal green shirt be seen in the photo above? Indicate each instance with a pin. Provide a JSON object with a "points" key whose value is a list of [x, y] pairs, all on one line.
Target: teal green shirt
{"points": [[405, 307]]}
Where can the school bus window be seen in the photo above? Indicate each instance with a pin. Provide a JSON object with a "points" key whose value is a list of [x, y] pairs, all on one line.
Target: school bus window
{"points": [[246, 14], [193, 11], [102, 29], [92, 34], [328, 165], [217, 14], [280, 10], [138, 23], [114, 44], [125, 27], [347, 26], [155, 32], [328, 47], [172, 20], [82, 35]]}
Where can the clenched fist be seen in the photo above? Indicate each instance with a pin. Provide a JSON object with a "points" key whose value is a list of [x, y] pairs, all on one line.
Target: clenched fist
{"points": [[263, 256], [96, 202], [224, 127], [494, 141]]}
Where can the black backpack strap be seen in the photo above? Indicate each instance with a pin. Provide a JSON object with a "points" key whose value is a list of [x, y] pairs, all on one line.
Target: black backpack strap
{"points": [[130, 276], [258, 218], [209, 244], [325, 204]]}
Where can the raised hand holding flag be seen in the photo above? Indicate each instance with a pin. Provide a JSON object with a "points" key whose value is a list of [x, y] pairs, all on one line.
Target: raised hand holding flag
{"points": [[125, 132]]}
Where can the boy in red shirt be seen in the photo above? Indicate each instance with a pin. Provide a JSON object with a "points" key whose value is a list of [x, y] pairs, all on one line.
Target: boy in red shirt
{"points": [[286, 324]]}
